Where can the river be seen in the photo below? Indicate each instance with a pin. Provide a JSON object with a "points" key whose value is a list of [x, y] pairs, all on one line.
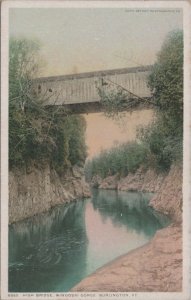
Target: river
{"points": [[54, 251]]}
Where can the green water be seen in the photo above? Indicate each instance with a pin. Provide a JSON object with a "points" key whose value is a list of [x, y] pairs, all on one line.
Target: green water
{"points": [[54, 251]]}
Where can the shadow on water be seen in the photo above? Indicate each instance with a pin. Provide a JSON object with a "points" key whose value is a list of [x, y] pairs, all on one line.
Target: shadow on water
{"points": [[43, 249], [55, 250]]}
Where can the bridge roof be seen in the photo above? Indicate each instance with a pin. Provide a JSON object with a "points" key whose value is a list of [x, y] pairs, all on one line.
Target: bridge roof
{"points": [[95, 74]]}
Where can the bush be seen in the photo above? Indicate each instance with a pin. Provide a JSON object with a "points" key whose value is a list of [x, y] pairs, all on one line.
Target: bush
{"points": [[59, 140], [163, 149], [120, 160]]}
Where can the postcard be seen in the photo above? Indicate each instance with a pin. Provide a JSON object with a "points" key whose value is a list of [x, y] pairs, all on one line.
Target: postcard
{"points": [[95, 150]]}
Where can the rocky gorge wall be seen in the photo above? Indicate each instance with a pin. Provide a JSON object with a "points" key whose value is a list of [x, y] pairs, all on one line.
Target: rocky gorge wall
{"points": [[36, 190], [157, 266], [166, 186]]}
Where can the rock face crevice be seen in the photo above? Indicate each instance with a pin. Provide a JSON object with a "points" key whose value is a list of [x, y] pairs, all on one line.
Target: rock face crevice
{"points": [[37, 190], [157, 266]]}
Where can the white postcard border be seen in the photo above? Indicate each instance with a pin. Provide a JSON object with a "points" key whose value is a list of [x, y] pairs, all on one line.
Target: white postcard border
{"points": [[187, 146]]}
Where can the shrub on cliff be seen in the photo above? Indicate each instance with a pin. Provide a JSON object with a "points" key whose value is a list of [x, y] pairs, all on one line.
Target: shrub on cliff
{"points": [[120, 159], [37, 133]]}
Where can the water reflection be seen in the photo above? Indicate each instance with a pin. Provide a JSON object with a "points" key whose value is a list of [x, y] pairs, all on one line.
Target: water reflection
{"points": [[54, 251], [130, 209], [48, 250]]}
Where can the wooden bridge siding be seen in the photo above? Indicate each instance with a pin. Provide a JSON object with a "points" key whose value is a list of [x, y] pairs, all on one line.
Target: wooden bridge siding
{"points": [[70, 91], [81, 90], [135, 82]]}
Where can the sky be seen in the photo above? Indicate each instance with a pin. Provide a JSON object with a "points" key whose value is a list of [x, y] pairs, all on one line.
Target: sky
{"points": [[75, 40], [78, 40]]}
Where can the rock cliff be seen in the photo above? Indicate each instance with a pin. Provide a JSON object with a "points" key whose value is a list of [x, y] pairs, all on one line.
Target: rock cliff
{"points": [[141, 180], [166, 186], [36, 190], [169, 197]]}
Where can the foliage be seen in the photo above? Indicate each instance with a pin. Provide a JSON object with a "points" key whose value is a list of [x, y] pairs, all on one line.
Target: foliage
{"points": [[37, 133], [69, 137], [120, 159], [163, 139], [166, 82], [115, 101], [24, 64], [165, 136], [163, 149]]}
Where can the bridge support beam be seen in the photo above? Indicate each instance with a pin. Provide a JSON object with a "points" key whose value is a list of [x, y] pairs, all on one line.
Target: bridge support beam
{"points": [[94, 107]]}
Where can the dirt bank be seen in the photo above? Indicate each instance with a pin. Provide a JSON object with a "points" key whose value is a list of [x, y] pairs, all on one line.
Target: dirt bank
{"points": [[36, 190], [157, 266]]}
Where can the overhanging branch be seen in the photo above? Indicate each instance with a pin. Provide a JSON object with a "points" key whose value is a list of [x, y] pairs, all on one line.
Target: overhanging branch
{"points": [[133, 94]]}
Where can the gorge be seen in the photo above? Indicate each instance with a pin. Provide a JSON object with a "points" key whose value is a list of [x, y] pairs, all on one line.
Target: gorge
{"points": [[66, 236], [122, 220]]}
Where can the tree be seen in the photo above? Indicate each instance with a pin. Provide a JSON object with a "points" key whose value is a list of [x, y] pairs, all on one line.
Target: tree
{"points": [[24, 64], [165, 136], [116, 100], [36, 132], [166, 82], [120, 159]]}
